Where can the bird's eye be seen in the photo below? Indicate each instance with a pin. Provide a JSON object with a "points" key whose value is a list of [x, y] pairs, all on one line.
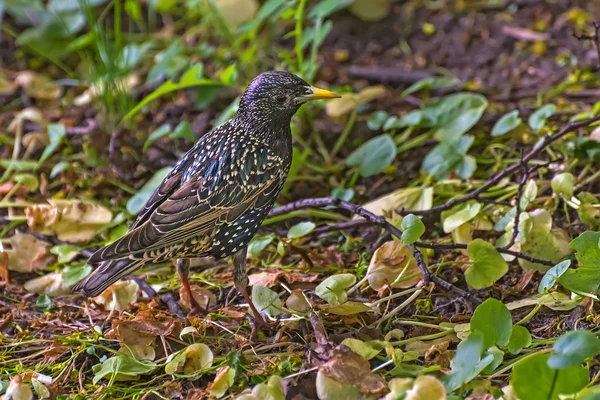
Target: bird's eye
{"points": [[280, 99]]}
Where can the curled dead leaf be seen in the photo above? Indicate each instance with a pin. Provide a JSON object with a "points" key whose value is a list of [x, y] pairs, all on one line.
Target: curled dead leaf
{"points": [[118, 296], [138, 336], [391, 262], [70, 220], [265, 278], [51, 284], [28, 253], [18, 390], [349, 101], [204, 297], [348, 373]]}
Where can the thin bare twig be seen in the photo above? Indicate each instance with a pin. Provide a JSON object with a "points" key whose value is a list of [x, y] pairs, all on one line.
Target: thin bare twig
{"points": [[515, 233]]}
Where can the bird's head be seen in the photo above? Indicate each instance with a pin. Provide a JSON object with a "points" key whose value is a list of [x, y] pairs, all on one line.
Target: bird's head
{"points": [[277, 95]]}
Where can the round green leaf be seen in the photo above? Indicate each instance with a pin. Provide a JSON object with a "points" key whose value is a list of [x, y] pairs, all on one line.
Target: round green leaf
{"points": [[507, 123], [533, 379], [573, 348], [494, 321], [552, 275], [300, 229], [460, 214], [412, 229], [538, 119], [519, 339], [258, 244], [373, 156], [333, 289], [266, 300], [563, 184], [488, 265]]}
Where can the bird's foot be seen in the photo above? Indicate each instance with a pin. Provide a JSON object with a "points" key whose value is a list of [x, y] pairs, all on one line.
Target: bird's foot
{"points": [[196, 310], [258, 323]]}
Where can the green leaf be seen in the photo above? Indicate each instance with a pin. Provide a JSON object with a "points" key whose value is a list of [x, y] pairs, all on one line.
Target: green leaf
{"points": [[300, 229], [28, 180], [367, 350], [450, 117], [58, 168], [586, 278], [44, 303], [74, 273], [191, 78], [161, 131], [533, 379], [538, 119], [333, 289], [183, 131], [488, 265], [552, 275], [138, 200], [65, 252], [123, 367], [449, 156], [373, 156], [519, 339], [507, 123], [376, 120], [266, 300], [258, 244], [468, 362], [56, 133], [494, 321], [573, 348], [529, 194], [459, 215], [541, 240], [498, 356], [563, 184], [436, 82], [412, 229], [342, 194], [348, 308]]}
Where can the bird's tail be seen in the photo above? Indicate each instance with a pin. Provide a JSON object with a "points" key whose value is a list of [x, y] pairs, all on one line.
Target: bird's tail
{"points": [[105, 275]]}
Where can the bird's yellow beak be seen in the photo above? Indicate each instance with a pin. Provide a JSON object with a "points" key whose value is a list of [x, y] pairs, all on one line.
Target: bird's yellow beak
{"points": [[314, 93]]}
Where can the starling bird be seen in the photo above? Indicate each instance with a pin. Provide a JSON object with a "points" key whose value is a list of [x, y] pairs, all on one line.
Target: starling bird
{"points": [[215, 198]]}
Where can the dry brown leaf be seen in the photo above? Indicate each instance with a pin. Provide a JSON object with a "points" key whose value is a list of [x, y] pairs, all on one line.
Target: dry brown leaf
{"points": [[266, 278], [138, 336], [203, 297], [389, 262], [349, 101], [28, 253], [3, 266], [18, 390], [348, 368], [70, 220]]}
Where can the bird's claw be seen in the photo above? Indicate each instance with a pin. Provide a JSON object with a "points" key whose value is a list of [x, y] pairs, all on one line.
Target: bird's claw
{"points": [[259, 322]]}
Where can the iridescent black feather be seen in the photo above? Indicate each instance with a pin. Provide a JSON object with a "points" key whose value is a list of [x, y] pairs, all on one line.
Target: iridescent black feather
{"points": [[220, 191]]}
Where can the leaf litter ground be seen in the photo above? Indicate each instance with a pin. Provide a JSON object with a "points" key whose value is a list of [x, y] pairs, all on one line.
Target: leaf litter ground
{"points": [[355, 288]]}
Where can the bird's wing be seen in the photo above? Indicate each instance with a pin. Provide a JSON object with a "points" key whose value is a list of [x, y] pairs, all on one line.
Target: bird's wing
{"points": [[213, 196]]}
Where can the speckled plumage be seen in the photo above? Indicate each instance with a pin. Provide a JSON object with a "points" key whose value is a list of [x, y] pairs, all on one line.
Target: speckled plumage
{"points": [[218, 193]]}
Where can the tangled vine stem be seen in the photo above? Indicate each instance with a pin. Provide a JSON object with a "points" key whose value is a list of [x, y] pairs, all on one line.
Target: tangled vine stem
{"points": [[547, 140], [371, 219]]}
